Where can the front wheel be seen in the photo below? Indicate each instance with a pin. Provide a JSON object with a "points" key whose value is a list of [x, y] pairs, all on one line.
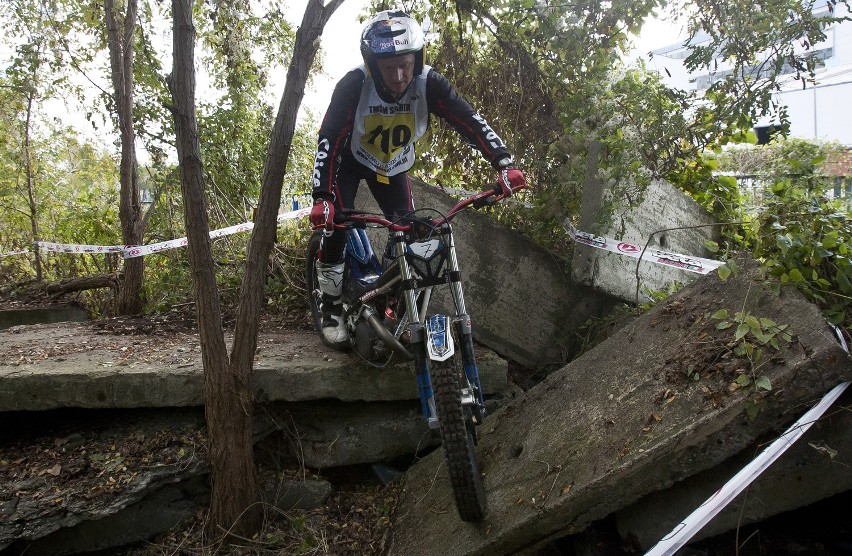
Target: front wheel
{"points": [[458, 440]]}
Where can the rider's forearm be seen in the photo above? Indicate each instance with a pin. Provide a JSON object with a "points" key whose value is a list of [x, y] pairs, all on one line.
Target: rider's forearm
{"points": [[445, 102]]}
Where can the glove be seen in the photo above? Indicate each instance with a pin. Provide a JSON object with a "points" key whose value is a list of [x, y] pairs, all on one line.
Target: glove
{"points": [[322, 216], [508, 179]]}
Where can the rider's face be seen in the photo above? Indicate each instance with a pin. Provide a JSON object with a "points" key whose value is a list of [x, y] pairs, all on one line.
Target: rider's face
{"points": [[397, 72]]}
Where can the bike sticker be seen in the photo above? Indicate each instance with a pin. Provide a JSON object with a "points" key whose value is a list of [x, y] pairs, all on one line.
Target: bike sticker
{"points": [[425, 249], [439, 339]]}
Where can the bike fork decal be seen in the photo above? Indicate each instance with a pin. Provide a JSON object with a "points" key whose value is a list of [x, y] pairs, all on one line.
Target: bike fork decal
{"points": [[439, 341], [427, 400]]}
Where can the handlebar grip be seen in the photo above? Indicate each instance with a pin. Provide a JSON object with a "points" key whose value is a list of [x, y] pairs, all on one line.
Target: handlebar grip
{"points": [[488, 199]]}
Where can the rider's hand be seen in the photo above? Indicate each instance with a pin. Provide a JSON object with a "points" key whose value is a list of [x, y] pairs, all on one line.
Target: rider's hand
{"points": [[508, 179], [322, 216]]}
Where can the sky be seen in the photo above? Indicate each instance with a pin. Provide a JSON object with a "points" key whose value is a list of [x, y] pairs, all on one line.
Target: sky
{"points": [[340, 51], [341, 35], [340, 54]]}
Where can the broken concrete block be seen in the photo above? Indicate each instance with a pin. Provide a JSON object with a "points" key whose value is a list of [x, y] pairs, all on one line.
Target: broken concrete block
{"points": [[328, 434], [657, 402], [814, 468]]}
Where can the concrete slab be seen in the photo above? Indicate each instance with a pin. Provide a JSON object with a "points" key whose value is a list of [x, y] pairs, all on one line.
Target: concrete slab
{"points": [[78, 365], [17, 316], [813, 469], [626, 419]]}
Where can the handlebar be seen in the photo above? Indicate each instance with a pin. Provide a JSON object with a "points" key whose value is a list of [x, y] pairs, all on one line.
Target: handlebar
{"points": [[488, 197]]}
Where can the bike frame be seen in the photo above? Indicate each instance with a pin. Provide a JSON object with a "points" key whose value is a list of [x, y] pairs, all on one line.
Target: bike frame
{"points": [[386, 311], [429, 339]]}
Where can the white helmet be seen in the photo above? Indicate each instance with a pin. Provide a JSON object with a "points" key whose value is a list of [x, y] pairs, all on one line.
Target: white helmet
{"points": [[391, 33]]}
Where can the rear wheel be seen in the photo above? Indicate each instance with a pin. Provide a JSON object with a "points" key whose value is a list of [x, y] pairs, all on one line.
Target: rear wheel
{"points": [[458, 439]]}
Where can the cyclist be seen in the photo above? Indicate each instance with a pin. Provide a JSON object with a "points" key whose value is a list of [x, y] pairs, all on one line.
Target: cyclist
{"points": [[377, 112]]}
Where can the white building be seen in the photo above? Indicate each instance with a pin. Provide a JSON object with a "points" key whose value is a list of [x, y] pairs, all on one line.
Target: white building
{"points": [[819, 111]]}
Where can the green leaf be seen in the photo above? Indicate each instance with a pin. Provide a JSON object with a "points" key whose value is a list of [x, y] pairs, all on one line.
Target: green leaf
{"points": [[711, 246], [829, 240], [733, 266], [763, 382], [724, 325], [784, 242], [724, 272], [752, 410], [796, 276], [742, 330], [743, 380], [720, 314]]}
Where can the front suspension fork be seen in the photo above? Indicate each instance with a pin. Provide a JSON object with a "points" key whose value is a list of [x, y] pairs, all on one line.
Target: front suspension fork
{"points": [[472, 394], [471, 371]]}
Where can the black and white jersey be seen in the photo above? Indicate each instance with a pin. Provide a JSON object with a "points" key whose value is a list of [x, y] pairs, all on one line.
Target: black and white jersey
{"points": [[380, 135]]}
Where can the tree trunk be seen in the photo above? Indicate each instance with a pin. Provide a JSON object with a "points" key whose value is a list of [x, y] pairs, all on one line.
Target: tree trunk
{"points": [[265, 229], [227, 387], [30, 178], [92, 282], [130, 207], [227, 390]]}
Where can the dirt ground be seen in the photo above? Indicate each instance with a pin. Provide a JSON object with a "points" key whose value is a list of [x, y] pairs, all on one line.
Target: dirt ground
{"points": [[56, 461], [64, 458]]}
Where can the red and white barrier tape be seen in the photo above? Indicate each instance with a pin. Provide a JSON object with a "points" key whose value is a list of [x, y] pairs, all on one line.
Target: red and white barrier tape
{"points": [[10, 253], [131, 251], [687, 528], [75, 248], [685, 262], [699, 265]]}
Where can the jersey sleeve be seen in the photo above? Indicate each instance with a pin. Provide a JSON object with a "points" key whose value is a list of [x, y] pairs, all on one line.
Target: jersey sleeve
{"points": [[335, 132], [447, 104]]}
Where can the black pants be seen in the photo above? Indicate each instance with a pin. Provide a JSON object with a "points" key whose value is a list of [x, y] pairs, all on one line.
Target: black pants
{"points": [[394, 199]]}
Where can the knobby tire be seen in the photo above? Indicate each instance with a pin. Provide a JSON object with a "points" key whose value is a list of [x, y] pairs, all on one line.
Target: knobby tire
{"points": [[457, 440]]}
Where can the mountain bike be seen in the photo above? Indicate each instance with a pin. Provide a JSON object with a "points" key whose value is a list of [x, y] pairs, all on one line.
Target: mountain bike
{"points": [[386, 313]]}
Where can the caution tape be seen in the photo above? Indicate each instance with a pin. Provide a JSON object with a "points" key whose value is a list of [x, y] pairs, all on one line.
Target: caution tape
{"points": [[75, 248], [687, 528], [10, 253], [677, 260], [699, 265], [132, 251]]}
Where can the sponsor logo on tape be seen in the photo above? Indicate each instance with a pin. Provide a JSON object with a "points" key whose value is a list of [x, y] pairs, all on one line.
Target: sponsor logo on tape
{"points": [[590, 239], [680, 261], [628, 248]]}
